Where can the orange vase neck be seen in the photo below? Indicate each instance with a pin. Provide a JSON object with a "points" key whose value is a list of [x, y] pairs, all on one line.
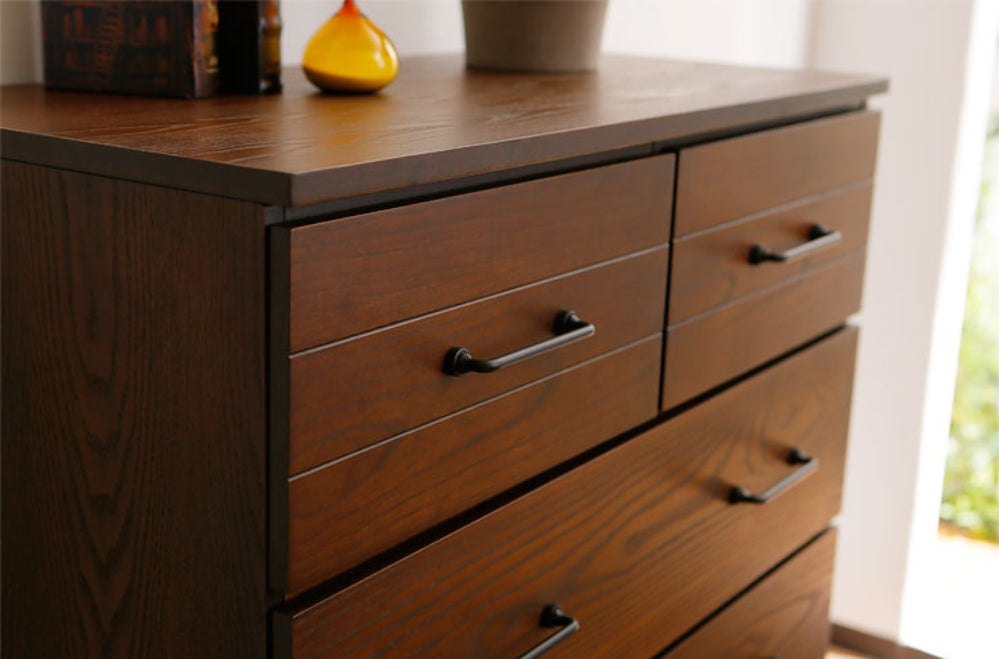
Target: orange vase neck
{"points": [[349, 9]]}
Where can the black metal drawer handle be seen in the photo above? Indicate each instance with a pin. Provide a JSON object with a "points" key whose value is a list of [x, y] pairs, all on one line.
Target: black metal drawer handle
{"points": [[552, 616], [794, 457], [568, 328], [818, 238]]}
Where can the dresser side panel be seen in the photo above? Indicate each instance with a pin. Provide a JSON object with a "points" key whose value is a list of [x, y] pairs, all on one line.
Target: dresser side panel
{"points": [[134, 419]]}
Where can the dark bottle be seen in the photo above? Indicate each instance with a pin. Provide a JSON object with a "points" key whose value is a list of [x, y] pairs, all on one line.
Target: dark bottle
{"points": [[249, 46], [270, 47]]}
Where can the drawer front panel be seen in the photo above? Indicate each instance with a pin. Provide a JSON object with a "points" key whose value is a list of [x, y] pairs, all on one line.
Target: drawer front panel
{"points": [[785, 615], [709, 350], [353, 509], [714, 268], [352, 394], [609, 539], [354, 274], [729, 179]]}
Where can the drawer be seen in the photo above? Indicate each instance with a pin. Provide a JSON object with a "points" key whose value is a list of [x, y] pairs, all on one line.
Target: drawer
{"points": [[784, 615], [358, 273], [608, 539], [725, 180], [353, 393], [717, 267], [353, 509], [708, 350]]}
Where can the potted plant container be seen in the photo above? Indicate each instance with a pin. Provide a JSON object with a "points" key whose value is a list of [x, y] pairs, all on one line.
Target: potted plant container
{"points": [[533, 35]]}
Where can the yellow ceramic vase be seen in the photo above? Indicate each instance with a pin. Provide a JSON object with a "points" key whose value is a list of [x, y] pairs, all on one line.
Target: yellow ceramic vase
{"points": [[350, 54]]}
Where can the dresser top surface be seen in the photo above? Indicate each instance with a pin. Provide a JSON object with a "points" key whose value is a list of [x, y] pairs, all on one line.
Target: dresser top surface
{"points": [[436, 122]]}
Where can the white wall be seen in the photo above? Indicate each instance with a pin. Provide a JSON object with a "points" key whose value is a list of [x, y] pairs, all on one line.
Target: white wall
{"points": [[930, 154], [711, 30], [754, 32], [416, 27]]}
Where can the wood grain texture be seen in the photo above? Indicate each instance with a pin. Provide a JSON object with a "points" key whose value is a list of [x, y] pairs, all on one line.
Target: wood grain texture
{"points": [[729, 179], [437, 121], [785, 615], [134, 420], [355, 393], [613, 542], [708, 350], [353, 509], [712, 269], [363, 272], [277, 408]]}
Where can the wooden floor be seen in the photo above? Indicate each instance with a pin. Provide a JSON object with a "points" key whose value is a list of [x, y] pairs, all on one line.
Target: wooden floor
{"points": [[840, 653]]}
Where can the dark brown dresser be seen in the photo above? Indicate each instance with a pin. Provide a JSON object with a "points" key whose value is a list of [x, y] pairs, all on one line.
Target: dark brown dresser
{"points": [[486, 365]]}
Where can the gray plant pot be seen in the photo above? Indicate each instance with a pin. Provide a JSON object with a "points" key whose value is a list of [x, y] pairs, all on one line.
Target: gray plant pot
{"points": [[533, 35]]}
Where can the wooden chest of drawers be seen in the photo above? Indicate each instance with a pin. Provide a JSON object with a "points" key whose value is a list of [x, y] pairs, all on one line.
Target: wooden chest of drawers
{"points": [[486, 365]]}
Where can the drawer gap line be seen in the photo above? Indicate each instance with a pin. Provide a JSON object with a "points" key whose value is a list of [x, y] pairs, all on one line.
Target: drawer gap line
{"points": [[781, 208], [756, 582], [371, 202], [776, 286], [714, 391], [487, 401], [516, 289], [669, 279], [673, 145], [313, 595]]}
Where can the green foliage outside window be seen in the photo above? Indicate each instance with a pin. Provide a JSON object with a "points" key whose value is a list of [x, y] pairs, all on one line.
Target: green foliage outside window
{"points": [[971, 479]]}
